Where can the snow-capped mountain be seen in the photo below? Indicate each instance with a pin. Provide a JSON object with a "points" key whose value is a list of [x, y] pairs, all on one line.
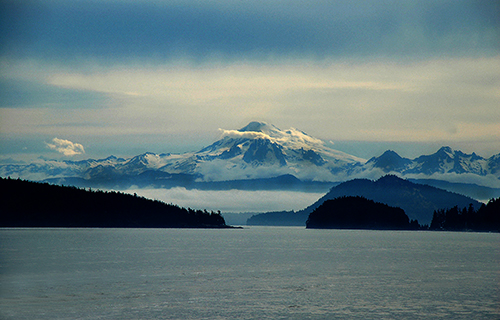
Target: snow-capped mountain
{"points": [[42, 169], [258, 151], [444, 161]]}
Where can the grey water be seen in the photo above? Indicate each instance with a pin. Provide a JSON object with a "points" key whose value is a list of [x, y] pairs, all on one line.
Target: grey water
{"points": [[250, 273]]}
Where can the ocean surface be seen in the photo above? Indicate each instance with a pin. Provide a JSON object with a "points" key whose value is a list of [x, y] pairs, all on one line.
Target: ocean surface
{"points": [[250, 273]]}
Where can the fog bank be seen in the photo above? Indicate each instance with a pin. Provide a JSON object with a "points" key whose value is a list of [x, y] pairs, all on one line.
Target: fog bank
{"points": [[231, 200]]}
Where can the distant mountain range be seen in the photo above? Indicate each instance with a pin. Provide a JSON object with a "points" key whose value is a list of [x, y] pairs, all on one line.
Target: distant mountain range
{"points": [[258, 156], [444, 161], [418, 201]]}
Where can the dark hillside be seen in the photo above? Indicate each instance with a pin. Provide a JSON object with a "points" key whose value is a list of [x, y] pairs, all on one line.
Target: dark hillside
{"points": [[30, 204], [358, 213], [417, 200]]}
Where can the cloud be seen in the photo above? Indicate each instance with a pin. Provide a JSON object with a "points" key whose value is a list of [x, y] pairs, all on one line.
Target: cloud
{"points": [[244, 135], [176, 70], [446, 99], [111, 31], [20, 93], [285, 137], [232, 200], [66, 147]]}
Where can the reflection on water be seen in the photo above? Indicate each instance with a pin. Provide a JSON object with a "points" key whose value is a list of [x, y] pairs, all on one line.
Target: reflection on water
{"points": [[252, 273]]}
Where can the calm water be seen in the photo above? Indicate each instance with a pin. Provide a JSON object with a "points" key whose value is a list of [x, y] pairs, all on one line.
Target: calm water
{"points": [[253, 273]]}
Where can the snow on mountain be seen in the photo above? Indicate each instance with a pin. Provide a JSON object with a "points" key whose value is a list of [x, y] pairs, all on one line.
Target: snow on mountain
{"points": [[445, 160], [494, 165], [258, 150], [446, 164], [261, 150], [42, 169]]}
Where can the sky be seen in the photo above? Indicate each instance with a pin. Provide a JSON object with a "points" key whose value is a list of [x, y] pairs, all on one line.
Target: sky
{"points": [[90, 78]]}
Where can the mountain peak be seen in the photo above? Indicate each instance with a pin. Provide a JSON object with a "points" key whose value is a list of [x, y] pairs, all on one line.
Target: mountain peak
{"points": [[258, 126], [390, 161], [391, 180], [291, 136], [392, 153], [389, 154], [445, 151]]}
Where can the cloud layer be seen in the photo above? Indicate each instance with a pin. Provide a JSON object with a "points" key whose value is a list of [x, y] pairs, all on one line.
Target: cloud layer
{"points": [[291, 135], [232, 200], [449, 99], [130, 75], [161, 30], [66, 147]]}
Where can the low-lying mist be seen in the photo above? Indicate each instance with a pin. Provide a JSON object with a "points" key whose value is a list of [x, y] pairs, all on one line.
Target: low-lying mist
{"points": [[231, 200]]}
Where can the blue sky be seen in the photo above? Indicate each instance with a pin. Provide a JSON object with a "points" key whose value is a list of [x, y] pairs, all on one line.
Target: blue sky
{"points": [[126, 77]]}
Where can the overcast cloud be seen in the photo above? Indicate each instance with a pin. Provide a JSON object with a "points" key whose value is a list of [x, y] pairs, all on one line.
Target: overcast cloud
{"points": [[111, 31], [163, 76]]}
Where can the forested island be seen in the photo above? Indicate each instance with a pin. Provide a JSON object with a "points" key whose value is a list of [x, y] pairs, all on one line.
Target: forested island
{"points": [[486, 218], [417, 200], [31, 204], [359, 213], [355, 212]]}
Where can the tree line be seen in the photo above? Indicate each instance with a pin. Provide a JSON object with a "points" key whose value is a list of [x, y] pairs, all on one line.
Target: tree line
{"points": [[33, 204], [357, 212], [486, 218]]}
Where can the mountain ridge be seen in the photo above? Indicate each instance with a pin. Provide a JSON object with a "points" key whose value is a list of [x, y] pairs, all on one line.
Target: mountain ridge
{"points": [[417, 200], [260, 151], [444, 161]]}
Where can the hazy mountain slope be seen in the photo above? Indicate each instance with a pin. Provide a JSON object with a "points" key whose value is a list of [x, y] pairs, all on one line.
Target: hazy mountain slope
{"points": [[472, 190], [418, 201]]}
